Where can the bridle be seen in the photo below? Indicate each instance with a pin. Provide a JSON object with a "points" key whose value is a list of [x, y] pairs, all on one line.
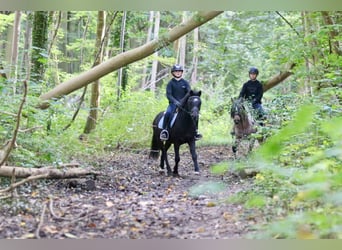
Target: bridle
{"points": [[236, 114], [192, 110]]}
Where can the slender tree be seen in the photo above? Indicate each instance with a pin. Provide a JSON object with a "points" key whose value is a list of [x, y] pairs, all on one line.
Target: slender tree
{"points": [[25, 59], [334, 43], [195, 56], [15, 44], [122, 45], [95, 89], [148, 39], [155, 60], [181, 53]]}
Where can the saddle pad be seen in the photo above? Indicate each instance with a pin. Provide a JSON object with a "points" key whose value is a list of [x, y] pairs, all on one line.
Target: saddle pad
{"points": [[160, 123]]}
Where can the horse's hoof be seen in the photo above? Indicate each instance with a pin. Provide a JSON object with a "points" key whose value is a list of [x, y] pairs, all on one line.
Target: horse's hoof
{"points": [[196, 173], [176, 175]]}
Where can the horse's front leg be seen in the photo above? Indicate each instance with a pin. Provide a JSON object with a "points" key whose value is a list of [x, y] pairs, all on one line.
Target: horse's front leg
{"points": [[166, 148], [164, 158], [177, 159], [192, 146], [234, 143]]}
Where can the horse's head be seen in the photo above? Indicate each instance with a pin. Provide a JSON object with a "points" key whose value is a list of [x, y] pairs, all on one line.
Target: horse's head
{"points": [[193, 104], [238, 111]]}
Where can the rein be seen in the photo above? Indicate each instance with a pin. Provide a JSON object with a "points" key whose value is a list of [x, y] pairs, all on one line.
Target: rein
{"points": [[188, 112]]}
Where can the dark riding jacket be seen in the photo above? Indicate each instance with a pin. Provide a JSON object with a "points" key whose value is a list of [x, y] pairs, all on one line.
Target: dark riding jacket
{"points": [[176, 90], [252, 91]]}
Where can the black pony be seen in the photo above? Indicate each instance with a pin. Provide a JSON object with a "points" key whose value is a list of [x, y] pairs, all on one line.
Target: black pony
{"points": [[182, 131], [244, 124]]}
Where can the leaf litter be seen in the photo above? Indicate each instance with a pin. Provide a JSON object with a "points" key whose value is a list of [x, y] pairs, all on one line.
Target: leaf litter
{"points": [[131, 199]]}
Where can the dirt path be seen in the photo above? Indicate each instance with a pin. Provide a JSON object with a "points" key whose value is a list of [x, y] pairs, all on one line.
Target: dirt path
{"points": [[132, 200]]}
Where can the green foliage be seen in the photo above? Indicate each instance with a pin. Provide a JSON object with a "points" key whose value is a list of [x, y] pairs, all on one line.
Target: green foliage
{"points": [[5, 21], [307, 167], [129, 122], [303, 118], [300, 178]]}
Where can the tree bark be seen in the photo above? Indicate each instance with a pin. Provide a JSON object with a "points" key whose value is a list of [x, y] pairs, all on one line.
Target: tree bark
{"points": [[95, 90], [149, 36], [48, 172], [333, 34], [15, 43], [26, 58], [127, 57], [155, 59], [122, 49], [39, 44], [182, 44], [195, 57]]}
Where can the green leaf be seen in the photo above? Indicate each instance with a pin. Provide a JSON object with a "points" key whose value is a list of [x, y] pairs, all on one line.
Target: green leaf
{"points": [[300, 122], [333, 128]]}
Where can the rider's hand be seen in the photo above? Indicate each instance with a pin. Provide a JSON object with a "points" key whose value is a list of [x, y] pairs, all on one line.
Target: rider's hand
{"points": [[178, 104]]}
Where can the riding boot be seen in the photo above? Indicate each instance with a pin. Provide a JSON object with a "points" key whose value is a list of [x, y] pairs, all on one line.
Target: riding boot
{"points": [[164, 134]]}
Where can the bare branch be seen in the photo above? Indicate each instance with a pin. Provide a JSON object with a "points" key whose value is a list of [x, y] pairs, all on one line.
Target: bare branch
{"points": [[41, 220], [286, 21], [17, 184]]}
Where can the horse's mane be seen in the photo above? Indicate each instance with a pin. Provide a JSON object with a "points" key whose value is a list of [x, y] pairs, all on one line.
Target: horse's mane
{"points": [[240, 107], [190, 94]]}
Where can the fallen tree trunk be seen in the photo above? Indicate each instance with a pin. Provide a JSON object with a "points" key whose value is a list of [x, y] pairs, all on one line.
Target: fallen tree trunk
{"points": [[274, 81], [127, 57], [46, 172]]}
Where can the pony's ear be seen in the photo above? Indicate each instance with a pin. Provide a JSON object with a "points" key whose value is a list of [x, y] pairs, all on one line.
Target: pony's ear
{"points": [[191, 92], [199, 93]]}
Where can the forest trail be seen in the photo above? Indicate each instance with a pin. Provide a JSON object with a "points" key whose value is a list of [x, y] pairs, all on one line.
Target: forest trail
{"points": [[132, 200]]}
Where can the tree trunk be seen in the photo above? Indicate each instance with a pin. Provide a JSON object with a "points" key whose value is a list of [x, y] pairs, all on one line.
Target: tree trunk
{"points": [[182, 44], [49, 172], [122, 44], [39, 44], [25, 65], [149, 36], [15, 43], [53, 40], [333, 34], [274, 81], [310, 61], [127, 57], [155, 59], [95, 90], [195, 57]]}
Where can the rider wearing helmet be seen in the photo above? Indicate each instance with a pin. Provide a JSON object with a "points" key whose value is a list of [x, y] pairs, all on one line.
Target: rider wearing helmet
{"points": [[252, 91], [176, 90]]}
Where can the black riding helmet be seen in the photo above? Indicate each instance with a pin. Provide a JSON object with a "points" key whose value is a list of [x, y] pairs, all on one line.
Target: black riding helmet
{"points": [[253, 70], [176, 67]]}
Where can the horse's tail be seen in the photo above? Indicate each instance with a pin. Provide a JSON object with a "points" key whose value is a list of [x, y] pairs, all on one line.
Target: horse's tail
{"points": [[156, 144], [155, 147]]}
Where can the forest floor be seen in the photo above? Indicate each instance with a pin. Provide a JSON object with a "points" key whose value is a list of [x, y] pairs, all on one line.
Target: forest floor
{"points": [[131, 199]]}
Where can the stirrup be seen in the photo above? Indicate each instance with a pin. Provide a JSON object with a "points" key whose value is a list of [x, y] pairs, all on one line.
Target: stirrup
{"points": [[164, 135], [198, 136]]}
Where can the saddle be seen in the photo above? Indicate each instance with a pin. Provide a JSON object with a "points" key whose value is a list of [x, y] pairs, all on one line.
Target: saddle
{"points": [[173, 119]]}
